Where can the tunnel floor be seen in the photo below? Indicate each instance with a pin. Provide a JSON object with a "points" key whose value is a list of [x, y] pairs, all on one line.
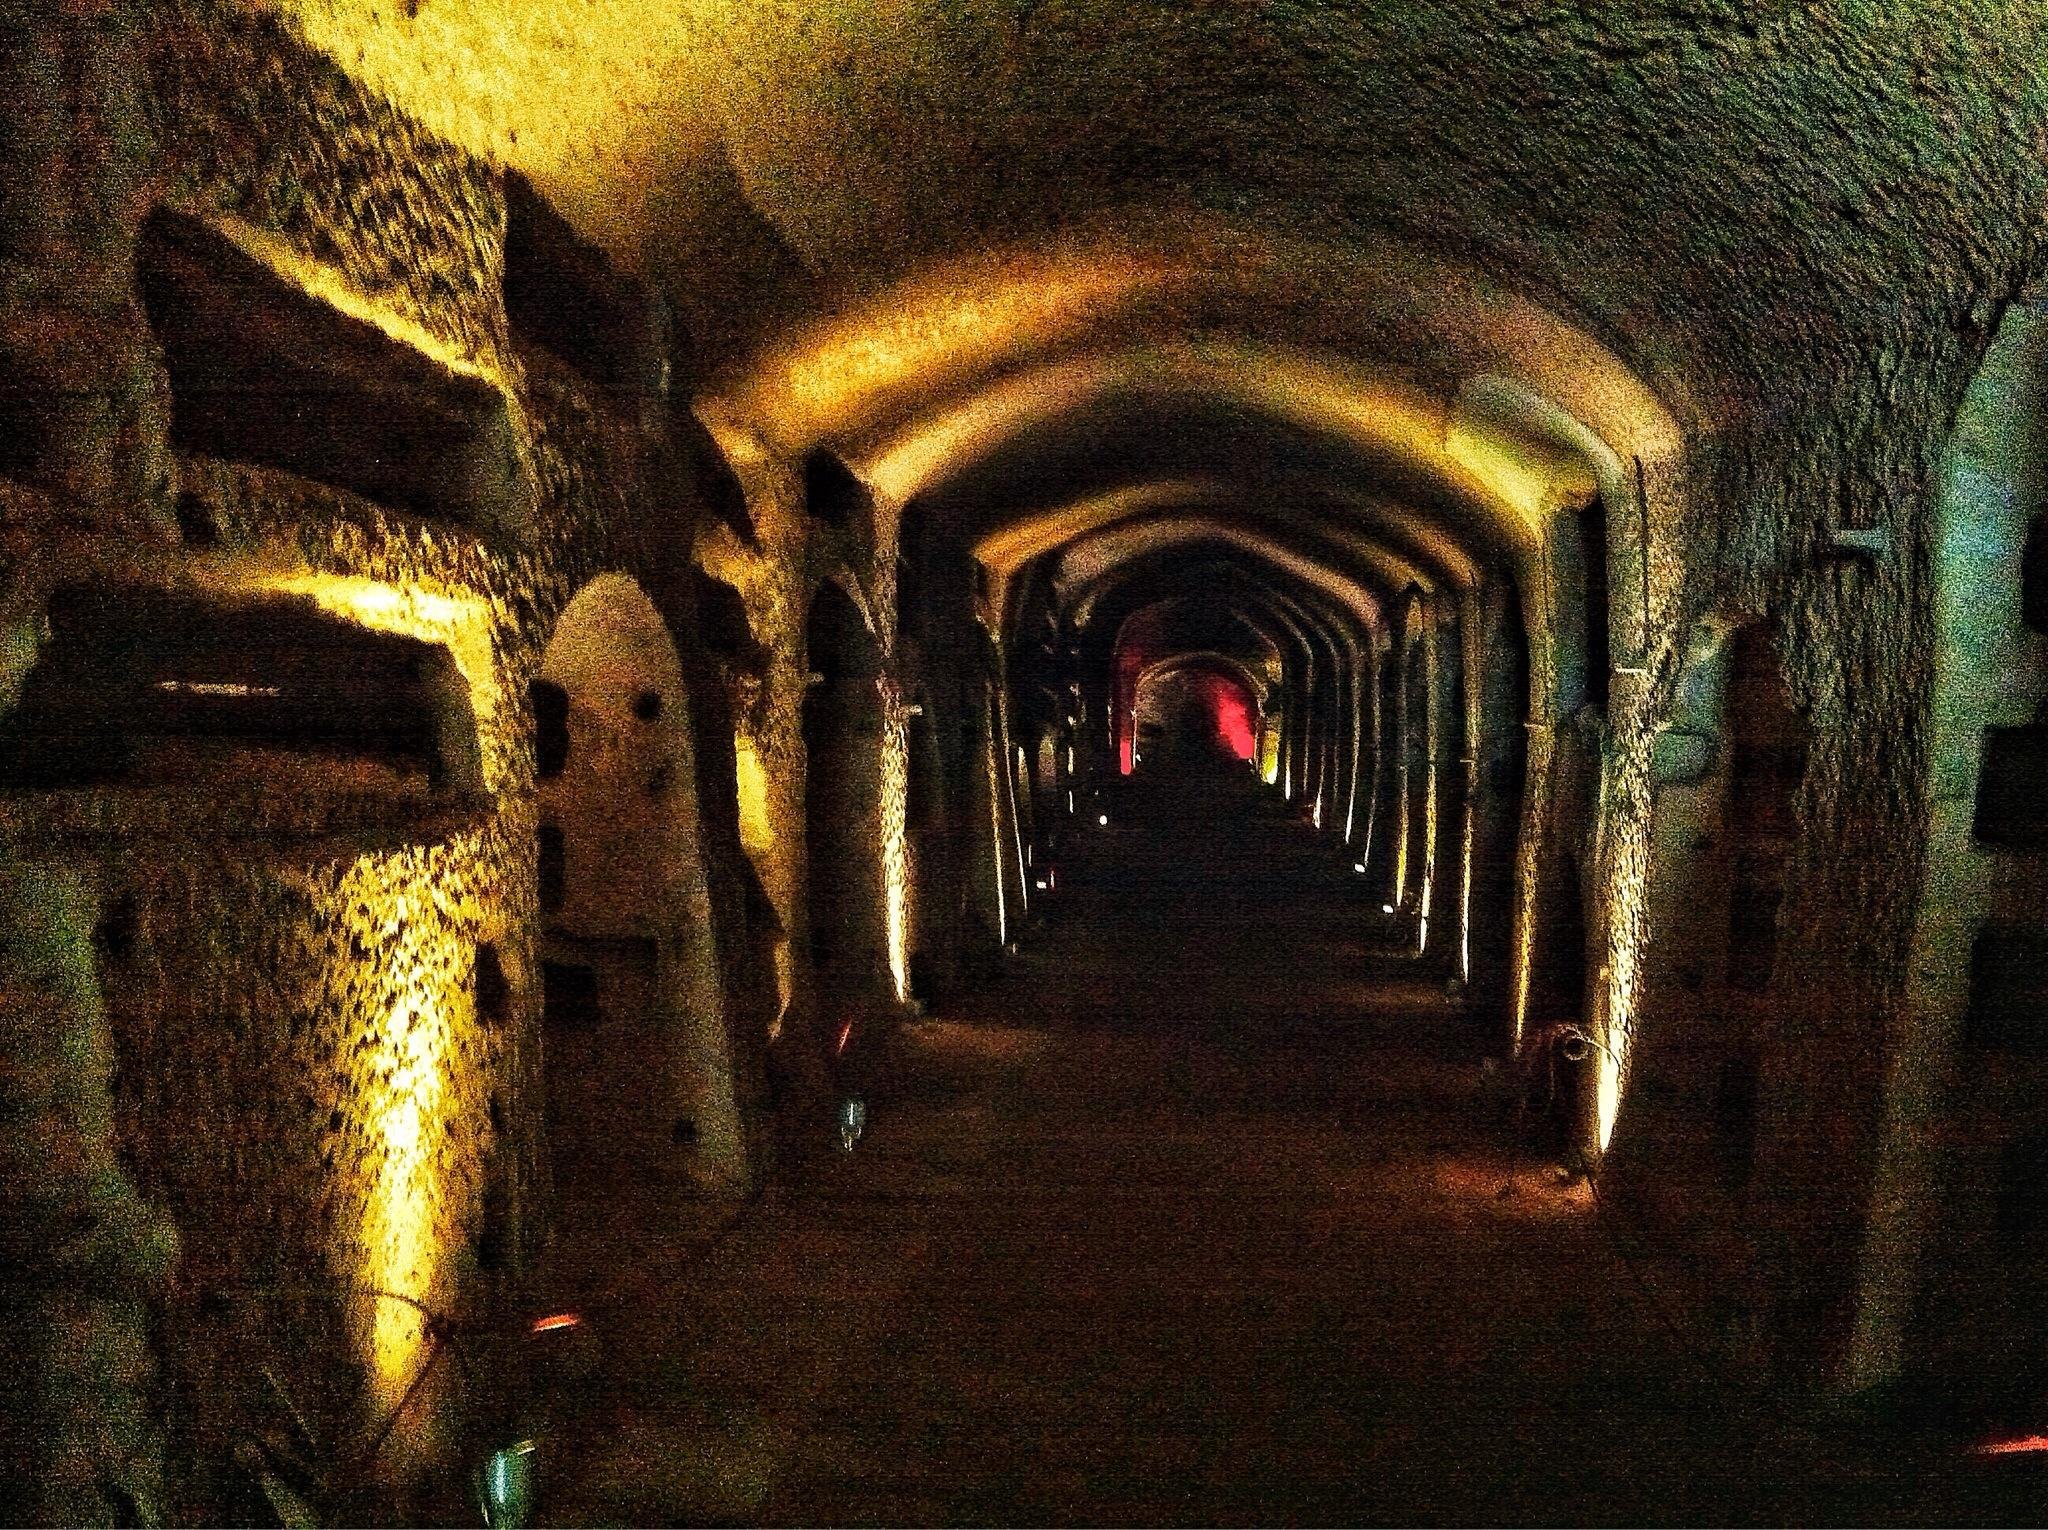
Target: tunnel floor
{"points": [[1196, 1214]]}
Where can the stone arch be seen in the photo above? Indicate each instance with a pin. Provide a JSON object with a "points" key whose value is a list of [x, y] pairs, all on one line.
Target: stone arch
{"points": [[846, 926], [1520, 438], [1500, 771], [1725, 771], [927, 820], [1187, 693], [641, 1087], [1941, 1294], [1415, 768]]}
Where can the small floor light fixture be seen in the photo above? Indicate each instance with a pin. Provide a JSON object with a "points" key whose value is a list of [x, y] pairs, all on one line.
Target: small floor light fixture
{"points": [[505, 1486], [853, 1120]]}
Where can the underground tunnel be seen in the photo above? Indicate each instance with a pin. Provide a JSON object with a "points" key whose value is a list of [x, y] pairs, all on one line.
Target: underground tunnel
{"points": [[1023, 762]]}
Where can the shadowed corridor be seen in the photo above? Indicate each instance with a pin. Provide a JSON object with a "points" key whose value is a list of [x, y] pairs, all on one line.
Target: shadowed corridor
{"points": [[1106, 762], [1198, 1214]]}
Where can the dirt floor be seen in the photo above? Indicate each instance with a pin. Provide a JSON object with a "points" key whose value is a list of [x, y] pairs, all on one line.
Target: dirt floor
{"points": [[1199, 1213]]}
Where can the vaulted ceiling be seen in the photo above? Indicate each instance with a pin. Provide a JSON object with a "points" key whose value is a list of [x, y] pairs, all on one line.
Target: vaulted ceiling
{"points": [[1733, 196]]}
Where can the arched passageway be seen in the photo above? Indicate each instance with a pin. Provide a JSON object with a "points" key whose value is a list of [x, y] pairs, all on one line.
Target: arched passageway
{"points": [[1377, 688], [642, 1083], [1196, 713]]}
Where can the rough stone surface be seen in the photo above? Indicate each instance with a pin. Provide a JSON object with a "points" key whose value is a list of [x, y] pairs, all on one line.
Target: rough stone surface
{"points": [[1368, 297], [303, 1077]]}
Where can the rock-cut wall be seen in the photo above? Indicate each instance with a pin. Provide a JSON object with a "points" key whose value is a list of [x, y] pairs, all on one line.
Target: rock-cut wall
{"points": [[271, 998]]}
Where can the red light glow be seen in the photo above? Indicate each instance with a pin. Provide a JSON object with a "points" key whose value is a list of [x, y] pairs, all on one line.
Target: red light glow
{"points": [[1130, 663], [1234, 723], [557, 1321], [2018, 1445], [1229, 706], [1200, 690]]}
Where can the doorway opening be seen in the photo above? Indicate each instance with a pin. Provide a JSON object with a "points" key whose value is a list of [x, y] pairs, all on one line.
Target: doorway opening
{"points": [[640, 1094], [842, 721]]}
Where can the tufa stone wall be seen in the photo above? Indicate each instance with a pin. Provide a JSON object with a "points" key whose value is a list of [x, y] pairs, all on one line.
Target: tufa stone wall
{"points": [[305, 1004]]}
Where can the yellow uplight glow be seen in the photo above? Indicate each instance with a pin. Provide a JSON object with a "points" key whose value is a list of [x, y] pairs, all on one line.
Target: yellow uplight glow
{"points": [[1521, 480], [1426, 881], [320, 280], [576, 95], [760, 842], [896, 848], [992, 775], [1626, 895], [1610, 1096], [1535, 479], [460, 623], [757, 820], [952, 333], [402, 1239], [940, 334]]}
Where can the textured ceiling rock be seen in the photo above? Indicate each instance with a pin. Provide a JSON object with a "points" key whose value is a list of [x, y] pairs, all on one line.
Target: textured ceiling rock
{"points": [[1722, 191]]}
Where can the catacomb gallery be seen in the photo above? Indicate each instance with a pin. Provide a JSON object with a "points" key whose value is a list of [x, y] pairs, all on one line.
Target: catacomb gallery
{"points": [[1023, 761]]}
